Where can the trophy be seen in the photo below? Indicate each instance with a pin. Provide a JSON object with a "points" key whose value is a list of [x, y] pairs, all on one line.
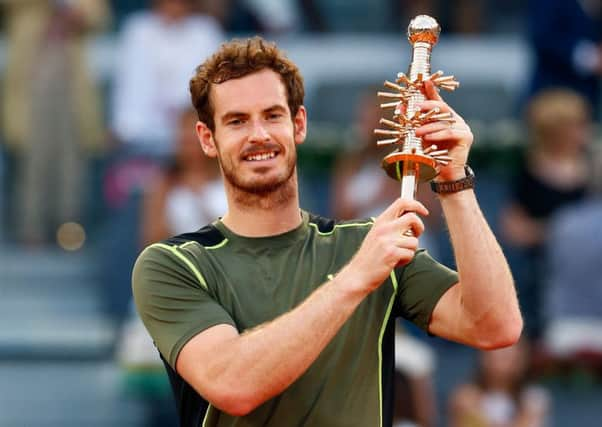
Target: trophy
{"points": [[411, 163]]}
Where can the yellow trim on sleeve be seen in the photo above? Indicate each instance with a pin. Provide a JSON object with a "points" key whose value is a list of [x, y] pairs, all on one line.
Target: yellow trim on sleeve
{"points": [[195, 271]]}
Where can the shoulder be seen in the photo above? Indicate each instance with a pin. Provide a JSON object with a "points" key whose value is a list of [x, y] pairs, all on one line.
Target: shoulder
{"points": [[178, 256]]}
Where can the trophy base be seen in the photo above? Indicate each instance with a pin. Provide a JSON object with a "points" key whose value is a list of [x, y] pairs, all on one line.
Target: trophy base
{"points": [[393, 165]]}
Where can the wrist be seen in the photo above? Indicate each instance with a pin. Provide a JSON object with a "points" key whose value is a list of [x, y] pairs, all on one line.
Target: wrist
{"points": [[350, 281], [460, 181], [450, 173]]}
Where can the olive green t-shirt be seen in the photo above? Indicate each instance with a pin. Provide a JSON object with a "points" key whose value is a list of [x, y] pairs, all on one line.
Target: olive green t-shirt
{"points": [[191, 282]]}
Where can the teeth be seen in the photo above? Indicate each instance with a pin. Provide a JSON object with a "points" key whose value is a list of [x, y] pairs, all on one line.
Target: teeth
{"points": [[262, 156]]}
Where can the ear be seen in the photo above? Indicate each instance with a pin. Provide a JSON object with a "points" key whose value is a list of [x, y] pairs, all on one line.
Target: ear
{"points": [[205, 136], [300, 123]]}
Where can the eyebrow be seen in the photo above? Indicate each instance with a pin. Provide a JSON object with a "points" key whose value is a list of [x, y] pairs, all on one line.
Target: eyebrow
{"points": [[275, 107], [235, 114]]}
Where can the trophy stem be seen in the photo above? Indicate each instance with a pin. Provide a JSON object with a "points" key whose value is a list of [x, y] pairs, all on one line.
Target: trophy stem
{"points": [[409, 180]]}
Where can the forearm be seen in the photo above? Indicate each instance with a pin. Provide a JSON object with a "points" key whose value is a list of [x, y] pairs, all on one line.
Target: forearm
{"points": [[489, 305], [264, 361]]}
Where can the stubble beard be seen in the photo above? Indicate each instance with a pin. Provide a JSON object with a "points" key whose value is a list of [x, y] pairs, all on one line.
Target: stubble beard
{"points": [[262, 195]]}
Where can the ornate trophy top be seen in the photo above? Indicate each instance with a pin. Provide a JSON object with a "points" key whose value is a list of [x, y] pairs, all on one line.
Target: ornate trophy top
{"points": [[424, 29], [411, 161]]}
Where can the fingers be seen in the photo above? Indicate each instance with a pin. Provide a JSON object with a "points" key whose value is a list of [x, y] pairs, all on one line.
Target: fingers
{"points": [[434, 100], [408, 244], [409, 221], [399, 206], [431, 91], [443, 107], [432, 127], [446, 134], [405, 251]]}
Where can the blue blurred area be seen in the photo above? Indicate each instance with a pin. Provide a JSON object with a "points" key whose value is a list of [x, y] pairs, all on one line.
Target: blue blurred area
{"points": [[62, 312]]}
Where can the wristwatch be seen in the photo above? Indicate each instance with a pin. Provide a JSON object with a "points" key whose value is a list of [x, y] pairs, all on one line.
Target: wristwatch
{"points": [[457, 185]]}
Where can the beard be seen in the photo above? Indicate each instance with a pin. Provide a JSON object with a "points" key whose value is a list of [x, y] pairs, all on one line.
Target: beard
{"points": [[261, 191]]}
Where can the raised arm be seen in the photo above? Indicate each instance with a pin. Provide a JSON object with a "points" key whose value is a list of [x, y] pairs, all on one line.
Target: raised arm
{"points": [[237, 373], [482, 309]]}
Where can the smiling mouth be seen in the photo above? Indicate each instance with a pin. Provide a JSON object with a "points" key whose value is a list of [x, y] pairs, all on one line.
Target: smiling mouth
{"points": [[265, 155]]}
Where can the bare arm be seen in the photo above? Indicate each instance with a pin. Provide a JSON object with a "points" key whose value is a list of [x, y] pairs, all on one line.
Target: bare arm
{"points": [[482, 309], [237, 373]]}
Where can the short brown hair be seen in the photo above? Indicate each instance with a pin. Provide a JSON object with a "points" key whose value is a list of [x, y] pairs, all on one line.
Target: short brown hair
{"points": [[553, 108], [238, 58]]}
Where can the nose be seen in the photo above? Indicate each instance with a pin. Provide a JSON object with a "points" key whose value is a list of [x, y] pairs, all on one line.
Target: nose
{"points": [[258, 132]]}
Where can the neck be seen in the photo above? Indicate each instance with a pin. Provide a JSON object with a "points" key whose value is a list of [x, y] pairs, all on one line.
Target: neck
{"points": [[260, 215]]}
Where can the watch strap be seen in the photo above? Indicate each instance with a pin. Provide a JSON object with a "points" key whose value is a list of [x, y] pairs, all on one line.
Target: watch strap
{"points": [[446, 187]]}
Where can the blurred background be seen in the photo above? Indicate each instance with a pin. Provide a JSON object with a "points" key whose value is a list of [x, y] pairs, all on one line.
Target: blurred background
{"points": [[98, 159]]}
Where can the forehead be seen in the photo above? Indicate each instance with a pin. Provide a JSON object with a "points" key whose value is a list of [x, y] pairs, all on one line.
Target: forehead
{"points": [[253, 92]]}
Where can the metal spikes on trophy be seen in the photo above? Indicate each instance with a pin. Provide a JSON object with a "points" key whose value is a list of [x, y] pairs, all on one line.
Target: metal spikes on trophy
{"points": [[411, 163]]}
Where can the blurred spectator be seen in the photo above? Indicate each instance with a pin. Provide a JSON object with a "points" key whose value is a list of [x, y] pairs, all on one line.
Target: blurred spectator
{"points": [[556, 171], [158, 51], [566, 36], [361, 187], [415, 401], [52, 115], [499, 395], [188, 194], [572, 305]]}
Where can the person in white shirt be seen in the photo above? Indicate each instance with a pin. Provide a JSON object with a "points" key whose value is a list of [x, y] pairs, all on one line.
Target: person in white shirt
{"points": [[158, 52]]}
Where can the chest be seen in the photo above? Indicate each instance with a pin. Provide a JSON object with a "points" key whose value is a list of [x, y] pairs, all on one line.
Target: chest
{"points": [[257, 285]]}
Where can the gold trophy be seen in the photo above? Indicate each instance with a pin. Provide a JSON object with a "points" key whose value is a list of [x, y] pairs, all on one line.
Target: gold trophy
{"points": [[411, 163]]}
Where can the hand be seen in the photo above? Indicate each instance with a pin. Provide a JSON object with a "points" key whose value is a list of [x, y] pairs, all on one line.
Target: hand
{"points": [[385, 246], [455, 137]]}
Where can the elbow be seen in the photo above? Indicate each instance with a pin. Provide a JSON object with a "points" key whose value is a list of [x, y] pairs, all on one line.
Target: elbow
{"points": [[237, 409], [503, 335], [234, 402]]}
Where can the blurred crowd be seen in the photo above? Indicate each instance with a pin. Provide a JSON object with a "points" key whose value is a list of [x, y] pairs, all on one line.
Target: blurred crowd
{"points": [[115, 164]]}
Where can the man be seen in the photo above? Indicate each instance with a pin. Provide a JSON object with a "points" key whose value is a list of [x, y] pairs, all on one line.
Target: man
{"points": [[271, 316]]}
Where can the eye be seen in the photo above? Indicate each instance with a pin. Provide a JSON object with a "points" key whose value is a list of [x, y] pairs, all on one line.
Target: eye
{"points": [[274, 116], [235, 122]]}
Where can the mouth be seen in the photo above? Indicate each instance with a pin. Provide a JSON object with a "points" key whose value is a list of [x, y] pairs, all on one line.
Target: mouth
{"points": [[261, 155]]}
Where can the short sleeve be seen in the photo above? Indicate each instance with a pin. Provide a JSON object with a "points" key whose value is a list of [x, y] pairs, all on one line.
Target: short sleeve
{"points": [[173, 300], [421, 284]]}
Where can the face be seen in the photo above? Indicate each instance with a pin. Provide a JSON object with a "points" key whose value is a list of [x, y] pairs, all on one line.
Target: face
{"points": [[255, 137], [574, 133], [173, 9]]}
